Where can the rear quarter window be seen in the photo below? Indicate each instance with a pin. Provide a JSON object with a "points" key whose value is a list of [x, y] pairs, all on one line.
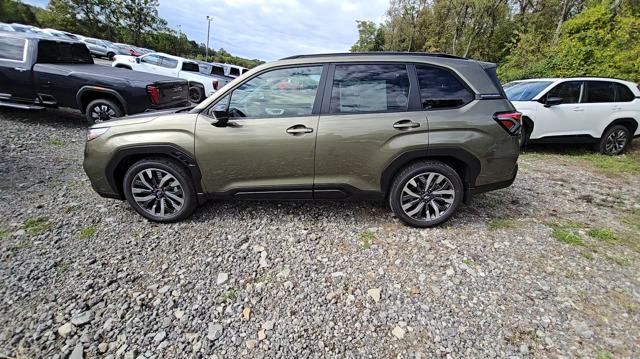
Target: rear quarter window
{"points": [[440, 89], [52, 52], [190, 66], [624, 94], [12, 49]]}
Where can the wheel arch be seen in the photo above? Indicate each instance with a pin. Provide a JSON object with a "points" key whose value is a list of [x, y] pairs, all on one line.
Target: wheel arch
{"points": [[125, 157], [629, 122], [123, 66], [86, 94], [464, 163]]}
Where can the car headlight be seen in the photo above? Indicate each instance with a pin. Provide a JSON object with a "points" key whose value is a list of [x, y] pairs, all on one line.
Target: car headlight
{"points": [[94, 133]]}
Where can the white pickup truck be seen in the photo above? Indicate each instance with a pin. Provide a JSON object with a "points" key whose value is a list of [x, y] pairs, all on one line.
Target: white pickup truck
{"points": [[201, 86]]}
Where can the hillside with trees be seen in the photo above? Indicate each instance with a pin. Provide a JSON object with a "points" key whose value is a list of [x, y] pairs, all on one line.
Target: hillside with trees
{"points": [[527, 38], [134, 22]]}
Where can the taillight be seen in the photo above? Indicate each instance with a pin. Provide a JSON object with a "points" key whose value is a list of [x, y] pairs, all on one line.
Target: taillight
{"points": [[215, 84], [154, 94], [510, 121]]}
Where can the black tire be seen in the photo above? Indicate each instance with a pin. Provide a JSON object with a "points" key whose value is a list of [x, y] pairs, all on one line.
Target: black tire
{"points": [[110, 56], [101, 110], [426, 197], [183, 190], [525, 132], [123, 67], [614, 140], [196, 94]]}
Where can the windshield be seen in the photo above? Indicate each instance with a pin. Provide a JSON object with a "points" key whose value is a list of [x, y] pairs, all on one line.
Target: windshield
{"points": [[525, 91], [51, 52]]}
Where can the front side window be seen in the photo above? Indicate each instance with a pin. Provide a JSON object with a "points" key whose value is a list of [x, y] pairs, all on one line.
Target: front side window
{"points": [[151, 59], [288, 92], [600, 91], [440, 89], [569, 92], [370, 88], [12, 49]]}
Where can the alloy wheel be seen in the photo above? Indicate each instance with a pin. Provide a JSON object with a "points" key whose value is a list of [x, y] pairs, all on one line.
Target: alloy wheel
{"points": [[101, 113], [427, 196], [157, 192], [616, 142]]}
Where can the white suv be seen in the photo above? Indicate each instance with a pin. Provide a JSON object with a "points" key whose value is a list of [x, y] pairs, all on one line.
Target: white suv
{"points": [[602, 111]]}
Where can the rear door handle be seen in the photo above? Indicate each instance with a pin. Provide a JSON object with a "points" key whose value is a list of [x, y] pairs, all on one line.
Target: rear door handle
{"points": [[405, 124], [578, 109], [617, 108], [299, 130]]}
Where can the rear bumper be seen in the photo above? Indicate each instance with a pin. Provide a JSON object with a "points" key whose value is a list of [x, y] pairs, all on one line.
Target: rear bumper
{"points": [[492, 186]]}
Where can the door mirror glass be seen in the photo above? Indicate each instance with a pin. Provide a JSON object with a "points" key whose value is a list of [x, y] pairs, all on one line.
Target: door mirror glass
{"points": [[552, 101]]}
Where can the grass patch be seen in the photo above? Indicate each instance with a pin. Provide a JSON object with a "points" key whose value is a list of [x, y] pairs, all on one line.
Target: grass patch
{"points": [[230, 295], [603, 355], [626, 163], [588, 255], [619, 260], [566, 236], [4, 233], [603, 234], [501, 223], [366, 239], [56, 142], [468, 262], [35, 226], [88, 232]]}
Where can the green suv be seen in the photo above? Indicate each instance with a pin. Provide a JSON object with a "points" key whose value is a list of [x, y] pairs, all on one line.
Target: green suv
{"points": [[422, 131]]}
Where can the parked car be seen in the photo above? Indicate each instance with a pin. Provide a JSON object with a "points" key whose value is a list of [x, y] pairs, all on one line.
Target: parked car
{"points": [[234, 70], [40, 71], [100, 48], [425, 132], [600, 111], [200, 85]]}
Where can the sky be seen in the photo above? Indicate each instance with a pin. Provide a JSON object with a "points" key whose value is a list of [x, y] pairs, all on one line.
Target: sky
{"points": [[270, 29]]}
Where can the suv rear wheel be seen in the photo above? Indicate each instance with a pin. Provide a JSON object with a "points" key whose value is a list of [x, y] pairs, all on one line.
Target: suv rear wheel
{"points": [[614, 140], [426, 193], [160, 190]]}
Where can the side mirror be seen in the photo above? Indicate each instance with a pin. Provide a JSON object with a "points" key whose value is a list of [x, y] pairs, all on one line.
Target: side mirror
{"points": [[137, 60], [222, 117], [552, 101]]}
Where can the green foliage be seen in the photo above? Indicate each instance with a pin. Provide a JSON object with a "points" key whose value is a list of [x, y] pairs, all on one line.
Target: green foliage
{"points": [[603, 234], [370, 37], [501, 223], [532, 38], [35, 226], [88, 232]]}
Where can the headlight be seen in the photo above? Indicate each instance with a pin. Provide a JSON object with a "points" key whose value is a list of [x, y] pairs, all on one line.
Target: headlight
{"points": [[94, 133]]}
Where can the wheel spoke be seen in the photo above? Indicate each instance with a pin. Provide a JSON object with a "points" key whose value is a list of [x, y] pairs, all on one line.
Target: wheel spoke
{"points": [[427, 196], [157, 192]]}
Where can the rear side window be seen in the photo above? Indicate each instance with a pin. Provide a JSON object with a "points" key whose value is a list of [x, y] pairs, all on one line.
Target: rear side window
{"points": [[51, 52], [370, 88], [233, 71], [569, 92], [189, 66], [624, 94], [440, 89], [12, 49], [217, 70], [600, 91]]}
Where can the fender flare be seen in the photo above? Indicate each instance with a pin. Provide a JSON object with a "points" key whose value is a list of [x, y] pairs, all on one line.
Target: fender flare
{"points": [[121, 155], [99, 89]]}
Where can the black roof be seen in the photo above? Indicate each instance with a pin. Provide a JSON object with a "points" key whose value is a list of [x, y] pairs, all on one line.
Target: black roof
{"points": [[36, 36], [376, 53]]}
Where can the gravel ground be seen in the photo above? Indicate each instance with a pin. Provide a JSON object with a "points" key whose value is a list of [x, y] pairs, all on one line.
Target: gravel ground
{"points": [[86, 276]]}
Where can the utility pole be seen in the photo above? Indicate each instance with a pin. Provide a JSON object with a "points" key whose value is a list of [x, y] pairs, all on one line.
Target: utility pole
{"points": [[206, 50]]}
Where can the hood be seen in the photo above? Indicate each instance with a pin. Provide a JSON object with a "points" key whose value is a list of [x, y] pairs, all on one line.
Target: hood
{"points": [[141, 117]]}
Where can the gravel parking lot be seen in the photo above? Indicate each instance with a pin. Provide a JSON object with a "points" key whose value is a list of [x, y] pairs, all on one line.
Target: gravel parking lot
{"points": [[546, 268]]}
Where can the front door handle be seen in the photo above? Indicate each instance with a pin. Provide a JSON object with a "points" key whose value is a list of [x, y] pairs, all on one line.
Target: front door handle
{"points": [[405, 124], [578, 109], [299, 130]]}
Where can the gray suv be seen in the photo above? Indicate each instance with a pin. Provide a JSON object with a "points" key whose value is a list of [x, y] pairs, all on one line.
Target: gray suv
{"points": [[423, 131]]}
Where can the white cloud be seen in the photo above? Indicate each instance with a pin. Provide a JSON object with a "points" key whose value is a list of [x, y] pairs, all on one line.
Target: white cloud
{"points": [[271, 29]]}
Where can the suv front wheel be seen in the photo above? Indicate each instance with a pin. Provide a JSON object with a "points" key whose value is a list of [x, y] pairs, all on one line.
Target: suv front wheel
{"points": [[160, 190], [426, 193]]}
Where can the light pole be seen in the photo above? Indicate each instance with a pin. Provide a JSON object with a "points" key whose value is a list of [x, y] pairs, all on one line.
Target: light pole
{"points": [[206, 50]]}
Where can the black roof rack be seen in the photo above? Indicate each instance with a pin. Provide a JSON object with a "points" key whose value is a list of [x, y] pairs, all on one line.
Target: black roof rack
{"points": [[370, 53]]}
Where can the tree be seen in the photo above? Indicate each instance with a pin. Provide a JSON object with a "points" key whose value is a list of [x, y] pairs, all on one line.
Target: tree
{"points": [[370, 37], [138, 17]]}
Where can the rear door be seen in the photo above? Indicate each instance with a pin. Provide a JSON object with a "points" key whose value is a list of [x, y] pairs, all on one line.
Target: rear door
{"points": [[366, 121], [16, 80], [599, 104]]}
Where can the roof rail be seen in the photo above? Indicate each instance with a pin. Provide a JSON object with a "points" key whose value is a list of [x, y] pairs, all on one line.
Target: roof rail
{"points": [[369, 53]]}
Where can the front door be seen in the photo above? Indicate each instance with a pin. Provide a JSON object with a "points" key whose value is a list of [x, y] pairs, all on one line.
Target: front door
{"points": [[266, 149], [562, 119]]}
